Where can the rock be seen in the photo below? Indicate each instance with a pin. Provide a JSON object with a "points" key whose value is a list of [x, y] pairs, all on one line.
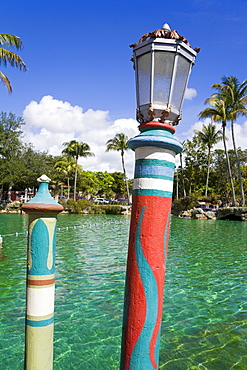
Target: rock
{"points": [[210, 215], [197, 211], [199, 216], [185, 214], [232, 213]]}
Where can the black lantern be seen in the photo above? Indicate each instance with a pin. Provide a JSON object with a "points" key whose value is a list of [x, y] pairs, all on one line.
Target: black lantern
{"points": [[162, 62]]}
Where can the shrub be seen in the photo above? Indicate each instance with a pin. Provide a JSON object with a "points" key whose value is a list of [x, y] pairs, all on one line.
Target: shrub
{"points": [[183, 204], [85, 206]]}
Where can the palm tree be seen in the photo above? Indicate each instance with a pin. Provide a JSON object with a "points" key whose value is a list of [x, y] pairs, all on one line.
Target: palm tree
{"points": [[219, 113], [75, 150], [209, 136], [234, 94], [65, 165], [8, 57], [120, 143]]}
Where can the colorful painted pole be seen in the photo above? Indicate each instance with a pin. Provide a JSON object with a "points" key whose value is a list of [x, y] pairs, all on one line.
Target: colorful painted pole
{"points": [[155, 150], [42, 211]]}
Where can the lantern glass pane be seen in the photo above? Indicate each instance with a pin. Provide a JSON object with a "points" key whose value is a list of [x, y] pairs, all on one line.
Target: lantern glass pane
{"points": [[182, 72], [163, 67], [144, 76]]}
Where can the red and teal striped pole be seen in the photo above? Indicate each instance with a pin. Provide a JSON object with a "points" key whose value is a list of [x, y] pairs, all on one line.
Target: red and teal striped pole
{"points": [[42, 211], [155, 149]]}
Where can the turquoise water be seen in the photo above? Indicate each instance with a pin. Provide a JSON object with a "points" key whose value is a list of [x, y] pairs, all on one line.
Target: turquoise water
{"points": [[205, 308]]}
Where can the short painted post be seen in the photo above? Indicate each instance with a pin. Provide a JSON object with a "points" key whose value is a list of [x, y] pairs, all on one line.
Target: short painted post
{"points": [[42, 211], [155, 151]]}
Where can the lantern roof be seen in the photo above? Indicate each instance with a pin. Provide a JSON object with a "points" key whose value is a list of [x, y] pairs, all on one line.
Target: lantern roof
{"points": [[166, 33]]}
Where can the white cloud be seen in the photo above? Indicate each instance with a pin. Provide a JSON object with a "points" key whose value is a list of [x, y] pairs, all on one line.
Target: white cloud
{"points": [[51, 122], [190, 93]]}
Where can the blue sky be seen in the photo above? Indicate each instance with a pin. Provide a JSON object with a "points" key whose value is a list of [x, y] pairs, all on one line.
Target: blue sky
{"points": [[80, 82]]}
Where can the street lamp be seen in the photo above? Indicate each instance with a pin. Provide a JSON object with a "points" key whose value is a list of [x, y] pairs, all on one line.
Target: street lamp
{"points": [[162, 61]]}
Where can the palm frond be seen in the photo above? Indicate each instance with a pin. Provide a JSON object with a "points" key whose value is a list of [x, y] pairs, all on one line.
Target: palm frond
{"points": [[5, 81], [10, 40], [13, 59], [118, 143]]}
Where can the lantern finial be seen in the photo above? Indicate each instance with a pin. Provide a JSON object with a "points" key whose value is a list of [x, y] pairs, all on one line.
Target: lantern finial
{"points": [[166, 27]]}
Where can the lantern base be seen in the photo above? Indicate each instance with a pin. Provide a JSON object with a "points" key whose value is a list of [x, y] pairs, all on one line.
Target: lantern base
{"points": [[151, 112]]}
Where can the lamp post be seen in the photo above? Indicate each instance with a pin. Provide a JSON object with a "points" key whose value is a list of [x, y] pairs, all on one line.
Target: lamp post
{"points": [[162, 62]]}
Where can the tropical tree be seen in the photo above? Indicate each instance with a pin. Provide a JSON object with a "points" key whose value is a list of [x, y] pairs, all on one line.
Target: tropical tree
{"points": [[89, 183], [106, 181], [10, 148], [219, 112], [119, 185], [219, 174], [209, 136], [75, 150], [234, 95], [120, 143], [195, 159], [9, 57], [65, 165]]}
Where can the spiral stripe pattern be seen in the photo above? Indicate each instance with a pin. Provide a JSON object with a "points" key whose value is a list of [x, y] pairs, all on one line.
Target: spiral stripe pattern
{"points": [[147, 254], [151, 296]]}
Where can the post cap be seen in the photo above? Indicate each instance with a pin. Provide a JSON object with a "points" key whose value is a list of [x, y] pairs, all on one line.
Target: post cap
{"points": [[43, 201], [44, 178]]}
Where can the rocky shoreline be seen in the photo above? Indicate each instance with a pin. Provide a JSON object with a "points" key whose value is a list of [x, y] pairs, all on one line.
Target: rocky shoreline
{"points": [[198, 213], [222, 213]]}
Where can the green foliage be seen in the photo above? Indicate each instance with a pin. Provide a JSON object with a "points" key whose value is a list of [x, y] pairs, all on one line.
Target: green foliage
{"points": [[88, 182], [227, 104], [113, 209], [9, 57], [75, 149], [183, 204], [14, 206], [120, 143], [209, 136], [85, 206], [80, 206], [119, 187], [102, 184], [194, 173], [20, 165], [105, 184]]}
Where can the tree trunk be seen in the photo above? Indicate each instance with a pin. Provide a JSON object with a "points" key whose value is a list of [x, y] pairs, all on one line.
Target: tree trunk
{"points": [[228, 163], [238, 165], [206, 190], [9, 193], [68, 187], [182, 173], [125, 177], [75, 179]]}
